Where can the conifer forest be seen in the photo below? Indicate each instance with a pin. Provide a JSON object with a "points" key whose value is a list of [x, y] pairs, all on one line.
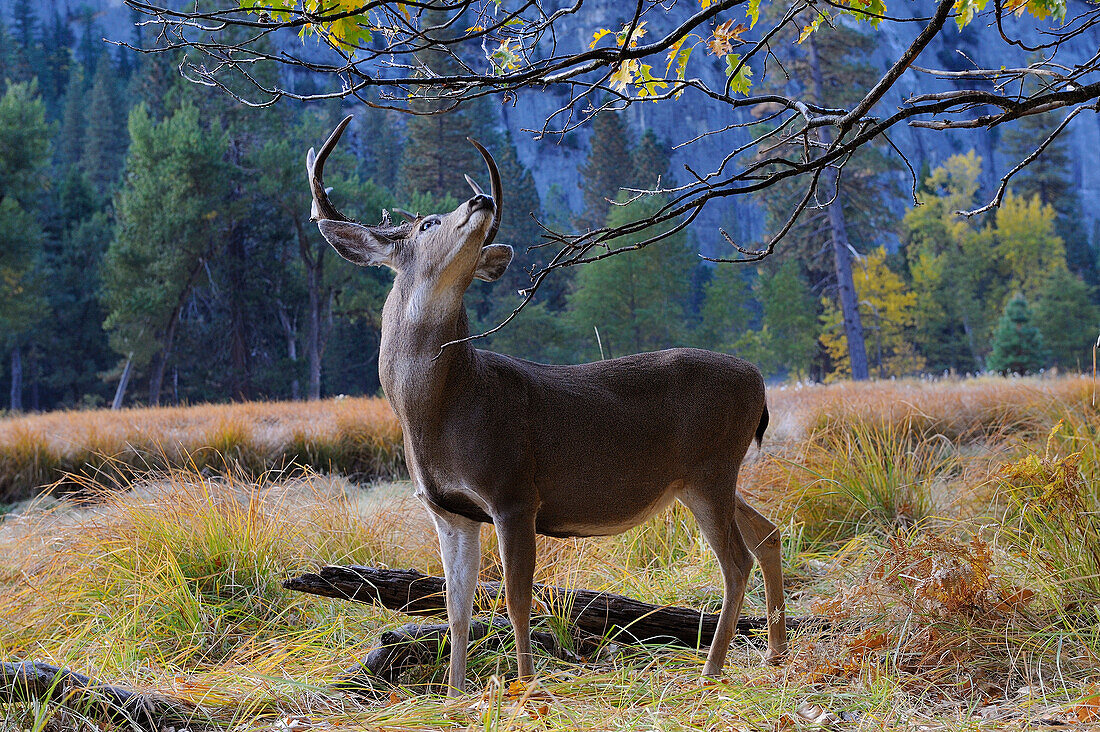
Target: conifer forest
{"points": [[157, 247]]}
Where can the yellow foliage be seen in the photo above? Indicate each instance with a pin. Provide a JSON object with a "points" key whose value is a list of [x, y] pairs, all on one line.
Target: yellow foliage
{"points": [[887, 311], [1027, 244]]}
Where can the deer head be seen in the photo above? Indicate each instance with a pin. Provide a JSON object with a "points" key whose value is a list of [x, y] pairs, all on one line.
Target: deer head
{"points": [[446, 250]]}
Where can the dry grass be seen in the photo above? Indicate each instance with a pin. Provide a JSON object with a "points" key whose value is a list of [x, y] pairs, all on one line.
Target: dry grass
{"points": [[357, 437], [949, 535]]}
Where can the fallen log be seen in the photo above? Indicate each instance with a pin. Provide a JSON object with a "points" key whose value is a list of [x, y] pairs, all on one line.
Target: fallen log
{"points": [[599, 614], [415, 644], [33, 680]]}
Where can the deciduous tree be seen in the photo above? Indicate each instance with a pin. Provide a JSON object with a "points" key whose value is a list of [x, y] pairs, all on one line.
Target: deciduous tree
{"points": [[887, 308]]}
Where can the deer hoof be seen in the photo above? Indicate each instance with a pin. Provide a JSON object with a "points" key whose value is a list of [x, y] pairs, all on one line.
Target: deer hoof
{"points": [[775, 657]]}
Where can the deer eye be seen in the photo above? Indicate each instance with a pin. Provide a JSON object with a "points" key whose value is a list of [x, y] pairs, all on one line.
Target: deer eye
{"points": [[428, 224]]}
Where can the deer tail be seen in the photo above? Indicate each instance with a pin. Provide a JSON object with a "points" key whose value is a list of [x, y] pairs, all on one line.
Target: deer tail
{"points": [[763, 426]]}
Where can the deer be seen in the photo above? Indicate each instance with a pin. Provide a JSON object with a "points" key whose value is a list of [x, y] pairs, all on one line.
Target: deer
{"points": [[561, 450]]}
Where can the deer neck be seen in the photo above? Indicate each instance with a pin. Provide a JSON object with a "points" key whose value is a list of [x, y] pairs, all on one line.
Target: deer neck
{"points": [[418, 375]]}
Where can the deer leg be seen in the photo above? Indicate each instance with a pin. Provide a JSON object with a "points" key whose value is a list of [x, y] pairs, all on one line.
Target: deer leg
{"points": [[715, 510], [460, 548], [516, 536], [762, 539]]}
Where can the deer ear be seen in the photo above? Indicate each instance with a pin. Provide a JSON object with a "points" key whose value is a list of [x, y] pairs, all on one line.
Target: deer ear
{"points": [[493, 261], [357, 243]]}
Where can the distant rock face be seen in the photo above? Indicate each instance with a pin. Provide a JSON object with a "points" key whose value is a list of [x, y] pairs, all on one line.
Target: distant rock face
{"points": [[555, 161]]}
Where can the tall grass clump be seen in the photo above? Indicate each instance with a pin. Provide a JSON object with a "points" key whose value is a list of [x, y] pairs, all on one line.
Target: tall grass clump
{"points": [[869, 478], [181, 571], [26, 458], [1051, 519]]}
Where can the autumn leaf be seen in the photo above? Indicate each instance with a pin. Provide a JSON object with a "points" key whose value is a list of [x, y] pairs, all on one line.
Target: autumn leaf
{"points": [[624, 75], [505, 58], [638, 32], [598, 35], [753, 11], [650, 85], [813, 26], [1087, 711], [725, 36]]}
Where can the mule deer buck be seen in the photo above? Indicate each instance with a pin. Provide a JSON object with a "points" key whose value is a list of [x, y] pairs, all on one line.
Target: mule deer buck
{"points": [[586, 450]]}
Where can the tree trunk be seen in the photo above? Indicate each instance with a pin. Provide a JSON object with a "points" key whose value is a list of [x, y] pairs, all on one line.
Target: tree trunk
{"points": [[36, 392], [314, 263], [123, 382], [17, 379], [290, 330], [313, 333], [156, 378], [240, 378], [842, 253]]}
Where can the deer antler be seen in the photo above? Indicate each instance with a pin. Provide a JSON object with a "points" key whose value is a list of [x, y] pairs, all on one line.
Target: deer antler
{"points": [[322, 208], [498, 189]]}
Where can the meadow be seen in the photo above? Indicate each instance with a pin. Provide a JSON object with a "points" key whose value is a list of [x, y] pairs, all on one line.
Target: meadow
{"points": [[948, 532]]}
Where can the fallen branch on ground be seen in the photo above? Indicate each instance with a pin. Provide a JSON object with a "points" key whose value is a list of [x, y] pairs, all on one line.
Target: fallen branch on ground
{"points": [[414, 644], [599, 614], [33, 680]]}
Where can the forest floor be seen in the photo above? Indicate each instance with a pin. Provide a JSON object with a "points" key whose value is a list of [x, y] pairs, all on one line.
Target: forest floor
{"points": [[948, 531]]}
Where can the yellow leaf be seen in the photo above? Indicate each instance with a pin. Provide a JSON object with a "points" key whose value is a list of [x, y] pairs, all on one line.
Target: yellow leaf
{"points": [[597, 36], [624, 74]]}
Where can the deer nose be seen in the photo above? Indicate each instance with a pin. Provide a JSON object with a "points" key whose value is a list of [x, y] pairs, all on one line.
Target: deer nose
{"points": [[481, 201]]}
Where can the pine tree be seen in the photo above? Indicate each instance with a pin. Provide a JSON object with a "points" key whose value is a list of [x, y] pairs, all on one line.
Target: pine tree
{"points": [[636, 301], [169, 220], [495, 300], [90, 48], [607, 168], [832, 66], [724, 316], [5, 50], [436, 153], [786, 343], [53, 77], [1017, 344], [24, 152], [1067, 319], [70, 147], [383, 148], [105, 138], [311, 267], [650, 161], [73, 344], [26, 46]]}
